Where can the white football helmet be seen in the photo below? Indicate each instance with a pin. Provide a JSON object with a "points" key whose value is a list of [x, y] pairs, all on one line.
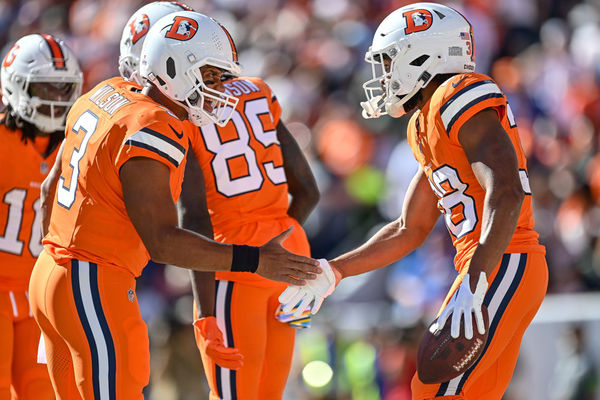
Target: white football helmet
{"points": [[177, 46], [421, 40], [134, 32], [41, 80]]}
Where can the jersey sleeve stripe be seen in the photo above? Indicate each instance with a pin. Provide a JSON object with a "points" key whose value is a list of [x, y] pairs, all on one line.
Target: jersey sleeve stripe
{"points": [[458, 103], [159, 144], [461, 92], [163, 137], [154, 150], [469, 105]]}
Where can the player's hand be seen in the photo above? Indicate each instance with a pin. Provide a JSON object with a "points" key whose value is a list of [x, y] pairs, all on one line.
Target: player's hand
{"points": [[211, 339], [464, 303], [278, 264], [314, 291]]}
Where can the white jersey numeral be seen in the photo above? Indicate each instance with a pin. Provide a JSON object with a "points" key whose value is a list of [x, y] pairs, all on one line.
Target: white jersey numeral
{"points": [[451, 191], [9, 242], [224, 151], [87, 122]]}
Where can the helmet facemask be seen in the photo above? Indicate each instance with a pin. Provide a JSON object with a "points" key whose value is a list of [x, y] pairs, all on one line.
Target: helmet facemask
{"points": [[41, 80], [44, 101], [129, 68], [204, 104], [420, 40], [393, 86]]}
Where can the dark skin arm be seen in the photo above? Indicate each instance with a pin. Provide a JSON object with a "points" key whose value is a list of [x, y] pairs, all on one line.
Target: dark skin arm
{"points": [[494, 163], [193, 215], [150, 207], [398, 238], [48, 190], [301, 181]]}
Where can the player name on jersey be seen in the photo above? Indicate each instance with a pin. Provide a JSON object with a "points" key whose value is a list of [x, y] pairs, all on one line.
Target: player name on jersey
{"points": [[108, 100], [242, 86]]}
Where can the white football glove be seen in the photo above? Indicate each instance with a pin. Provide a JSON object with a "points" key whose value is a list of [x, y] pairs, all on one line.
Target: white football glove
{"points": [[315, 290], [465, 303]]}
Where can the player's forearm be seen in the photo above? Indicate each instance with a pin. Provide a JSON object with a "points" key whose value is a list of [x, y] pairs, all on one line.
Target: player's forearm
{"points": [[187, 249], [499, 221], [48, 190], [302, 185], [302, 206], [389, 244], [203, 289], [47, 193], [203, 283]]}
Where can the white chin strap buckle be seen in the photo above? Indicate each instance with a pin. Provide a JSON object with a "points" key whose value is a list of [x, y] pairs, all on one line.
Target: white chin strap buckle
{"points": [[372, 108], [395, 109]]}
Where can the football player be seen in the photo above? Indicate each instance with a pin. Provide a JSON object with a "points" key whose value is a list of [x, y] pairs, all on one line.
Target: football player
{"points": [[121, 168], [472, 170], [236, 191], [247, 202], [132, 40], [40, 80]]}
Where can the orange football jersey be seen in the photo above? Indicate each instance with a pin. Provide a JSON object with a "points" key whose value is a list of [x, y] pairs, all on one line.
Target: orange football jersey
{"points": [[20, 240], [242, 165], [107, 126], [433, 137]]}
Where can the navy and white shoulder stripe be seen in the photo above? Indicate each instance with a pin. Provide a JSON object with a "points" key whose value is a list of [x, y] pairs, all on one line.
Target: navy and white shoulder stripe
{"points": [[158, 143], [466, 98]]}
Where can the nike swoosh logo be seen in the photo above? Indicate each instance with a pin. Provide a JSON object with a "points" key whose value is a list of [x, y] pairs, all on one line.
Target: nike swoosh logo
{"points": [[179, 135], [458, 83]]}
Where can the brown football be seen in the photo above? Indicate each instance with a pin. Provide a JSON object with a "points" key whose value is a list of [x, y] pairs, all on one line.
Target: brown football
{"points": [[442, 358]]}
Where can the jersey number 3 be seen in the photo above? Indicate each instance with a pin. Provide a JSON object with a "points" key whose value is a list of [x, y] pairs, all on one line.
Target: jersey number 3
{"points": [[87, 122]]}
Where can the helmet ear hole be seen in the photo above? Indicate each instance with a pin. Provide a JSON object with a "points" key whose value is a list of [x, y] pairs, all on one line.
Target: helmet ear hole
{"points": [[171, 67], [417, 62]]}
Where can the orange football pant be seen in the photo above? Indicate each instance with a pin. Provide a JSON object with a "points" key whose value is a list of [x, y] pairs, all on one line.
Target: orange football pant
{"points": [[19, 339], [246, 317], [97, 344], [516, 289]]}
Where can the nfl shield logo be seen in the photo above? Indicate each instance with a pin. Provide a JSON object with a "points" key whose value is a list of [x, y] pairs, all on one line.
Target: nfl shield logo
{"points": [[131, 295]]}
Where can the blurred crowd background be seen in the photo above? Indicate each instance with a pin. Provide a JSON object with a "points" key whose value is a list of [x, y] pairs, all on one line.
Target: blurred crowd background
{"points": [[544, 54]]}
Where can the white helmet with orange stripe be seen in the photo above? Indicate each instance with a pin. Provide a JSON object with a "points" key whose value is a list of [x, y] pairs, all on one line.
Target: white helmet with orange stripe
{"points": [[411, 46], [176, 47], [135, 31], [40, 79]]}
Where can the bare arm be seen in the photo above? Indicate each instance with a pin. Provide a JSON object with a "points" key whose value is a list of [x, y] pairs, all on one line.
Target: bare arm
{"points": [[494, 163], [150, 207], [301, 181], [193, 215], [48, 189], [398, 238]]}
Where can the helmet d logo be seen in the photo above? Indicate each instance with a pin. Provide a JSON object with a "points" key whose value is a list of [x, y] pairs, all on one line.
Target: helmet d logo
{"points": [[183, 28], [139, 27], [10, 56], [417, 20]]}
